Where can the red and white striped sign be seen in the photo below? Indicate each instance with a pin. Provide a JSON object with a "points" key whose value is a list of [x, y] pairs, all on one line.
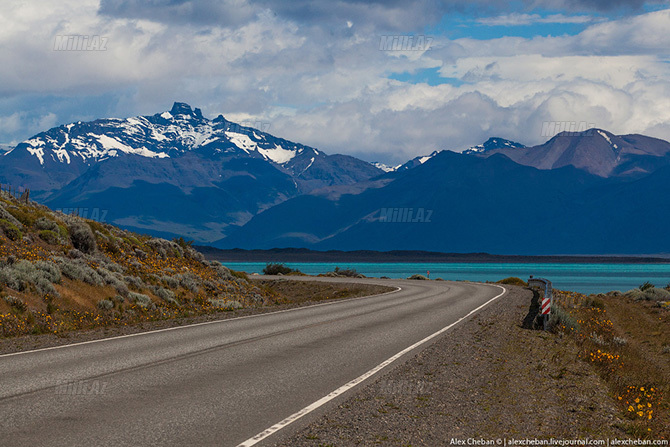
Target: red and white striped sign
{"points": [[546, 306]]}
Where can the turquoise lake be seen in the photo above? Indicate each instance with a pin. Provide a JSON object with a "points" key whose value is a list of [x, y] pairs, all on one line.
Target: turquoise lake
{"points": [[584, 278]]}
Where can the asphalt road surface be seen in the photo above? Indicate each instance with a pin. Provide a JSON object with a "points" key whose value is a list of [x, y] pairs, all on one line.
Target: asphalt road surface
{"points": [[218, 383]]}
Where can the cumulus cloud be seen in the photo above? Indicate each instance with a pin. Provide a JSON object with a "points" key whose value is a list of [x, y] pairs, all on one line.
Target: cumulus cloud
{"points": [[516, 19], [314, 71]]}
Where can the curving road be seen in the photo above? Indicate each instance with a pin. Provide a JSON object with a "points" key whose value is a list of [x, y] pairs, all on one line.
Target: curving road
{"points": [[218, 383]]}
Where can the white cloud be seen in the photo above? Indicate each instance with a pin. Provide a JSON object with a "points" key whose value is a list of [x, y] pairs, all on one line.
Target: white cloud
{"points": [[328, 86], [517, 19]]}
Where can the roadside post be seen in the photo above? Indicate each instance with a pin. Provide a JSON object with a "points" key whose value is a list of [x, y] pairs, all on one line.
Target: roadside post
{"points": [[545, 307]]}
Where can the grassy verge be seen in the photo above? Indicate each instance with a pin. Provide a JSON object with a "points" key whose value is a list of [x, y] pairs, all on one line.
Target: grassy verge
{"points": [[627, 342]]}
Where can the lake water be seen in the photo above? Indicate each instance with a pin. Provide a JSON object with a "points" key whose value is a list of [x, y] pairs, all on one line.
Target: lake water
{"points": [[585, 278]]}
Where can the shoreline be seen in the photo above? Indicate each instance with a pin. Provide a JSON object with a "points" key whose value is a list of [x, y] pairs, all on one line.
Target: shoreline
{"points": [[299, 255]]}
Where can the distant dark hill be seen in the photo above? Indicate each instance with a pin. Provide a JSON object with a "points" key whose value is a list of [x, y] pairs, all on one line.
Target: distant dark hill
{"points": [[488, 205], [596, 151]]}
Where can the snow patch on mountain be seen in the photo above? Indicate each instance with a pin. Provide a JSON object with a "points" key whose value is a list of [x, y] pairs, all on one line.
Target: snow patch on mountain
{"points": [[279, 155]]}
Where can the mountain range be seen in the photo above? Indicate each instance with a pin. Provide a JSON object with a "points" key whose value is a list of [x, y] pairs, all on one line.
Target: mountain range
{"points": [[172, 173], [177, 173]]}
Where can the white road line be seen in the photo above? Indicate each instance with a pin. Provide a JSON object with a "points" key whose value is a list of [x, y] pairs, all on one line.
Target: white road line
{"points": [[398, 289], [308, 409]]}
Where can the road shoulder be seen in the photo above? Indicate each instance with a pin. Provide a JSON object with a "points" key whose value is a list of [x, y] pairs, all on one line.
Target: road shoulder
{"points": [[486, 378]]}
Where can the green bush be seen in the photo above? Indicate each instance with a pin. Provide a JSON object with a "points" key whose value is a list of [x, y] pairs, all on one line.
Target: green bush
{"points": [[649, 294], [513, 281], [275, 268], [595, 303], [349, 272], [166, 295], [240, 275], [646, 286], [44, 223], [105, 304], [16, 303], [189, 281], [418, 277], [50, 237], [82, 237], [225, 305], [25, 217], [78, 270], [10, 230], [560, 317], [141, 300]]}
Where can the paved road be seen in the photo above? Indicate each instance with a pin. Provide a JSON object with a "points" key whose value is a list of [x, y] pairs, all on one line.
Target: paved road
{"points": [[220, 383]]}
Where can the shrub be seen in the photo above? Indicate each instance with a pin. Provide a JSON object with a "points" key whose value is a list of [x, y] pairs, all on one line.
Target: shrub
{"points": [[170, 281], [620, 341], [224, 304], [44, 287], [349, 272], [134, 282], [595, 303], [11, 279], [5, 215], [275, 268], [78, 270], [105, 304], [44, 223], [649, 294], [189, 281], [23, 274], [166, 295], [222, 271], [597, 339], [419, 277], [560, 318], [140, 299], [25, 217], [11, 231], [239, 275], [646, 286], [513, 281], [51, 270], [82, 237], [50, 237], [16, 303]]}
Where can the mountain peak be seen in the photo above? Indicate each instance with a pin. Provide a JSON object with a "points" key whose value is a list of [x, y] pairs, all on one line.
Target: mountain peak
{"points": [[181, 108], [493, 143]]}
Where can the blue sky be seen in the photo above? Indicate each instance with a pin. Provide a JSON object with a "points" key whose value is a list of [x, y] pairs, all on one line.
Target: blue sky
{"points": [[315, 73]]}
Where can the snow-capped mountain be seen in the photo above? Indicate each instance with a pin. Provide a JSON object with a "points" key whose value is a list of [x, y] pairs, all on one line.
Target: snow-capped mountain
{"points": [[75, 147], [493, 143], [416, 161], [384, 167], [174, 172], [596, 151]]}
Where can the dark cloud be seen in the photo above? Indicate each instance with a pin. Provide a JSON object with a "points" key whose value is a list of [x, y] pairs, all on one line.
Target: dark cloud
{"points": [[221, 13], [391, 15]]}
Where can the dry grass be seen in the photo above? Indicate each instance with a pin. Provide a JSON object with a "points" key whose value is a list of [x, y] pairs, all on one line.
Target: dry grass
{"points": [[636, 371]]}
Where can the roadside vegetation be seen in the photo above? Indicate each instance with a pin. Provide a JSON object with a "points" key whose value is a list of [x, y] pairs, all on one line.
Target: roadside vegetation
{"points": [[625, 337], [346, 273], [275, 268], [60, 273], [513, 281]]}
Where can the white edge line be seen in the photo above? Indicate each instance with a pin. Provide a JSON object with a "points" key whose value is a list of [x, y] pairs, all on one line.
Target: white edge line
{"points": [[308, 409], [398, 289]]}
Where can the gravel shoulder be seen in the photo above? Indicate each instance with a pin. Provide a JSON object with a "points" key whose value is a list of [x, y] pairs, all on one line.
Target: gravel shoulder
{"points": [[486, 378]]}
